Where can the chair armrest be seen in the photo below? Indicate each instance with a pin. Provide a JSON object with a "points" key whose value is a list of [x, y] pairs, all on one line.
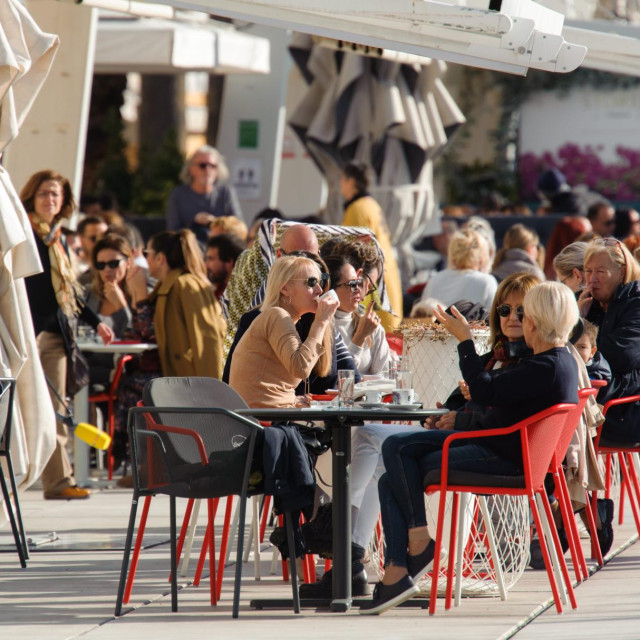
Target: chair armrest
{"points": [[617, 401], [486, 433], [185, 432]]}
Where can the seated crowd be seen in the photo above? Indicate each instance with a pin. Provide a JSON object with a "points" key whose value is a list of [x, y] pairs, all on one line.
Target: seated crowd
{"points": [[257, 318]]}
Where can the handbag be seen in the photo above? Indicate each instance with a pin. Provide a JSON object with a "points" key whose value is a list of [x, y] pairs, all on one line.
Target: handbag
{"points": [[77, 366]]}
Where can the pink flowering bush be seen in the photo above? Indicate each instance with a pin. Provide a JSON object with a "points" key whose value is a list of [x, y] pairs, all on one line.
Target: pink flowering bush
{"points": [[582, 165]]}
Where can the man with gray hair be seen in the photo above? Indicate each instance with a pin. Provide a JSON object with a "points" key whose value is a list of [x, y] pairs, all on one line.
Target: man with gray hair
{"points": [[204, 196]]}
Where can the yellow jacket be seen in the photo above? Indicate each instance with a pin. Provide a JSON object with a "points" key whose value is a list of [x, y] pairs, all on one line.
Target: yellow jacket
{"points": [[366, 212], [189, 326]]}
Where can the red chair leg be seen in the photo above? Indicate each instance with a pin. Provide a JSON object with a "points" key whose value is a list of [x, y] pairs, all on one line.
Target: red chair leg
{"points": [[593, 531], [202, 558], [435, 571], [556, 541], [626, 480], [212, 552], [224, 543], [634, 485], [452, 549], [570, 528], [136, 549], [545, 552]]}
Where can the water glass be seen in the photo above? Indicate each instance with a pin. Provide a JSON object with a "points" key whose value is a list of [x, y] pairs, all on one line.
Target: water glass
{"points": [[404, 380], [346, 382]]}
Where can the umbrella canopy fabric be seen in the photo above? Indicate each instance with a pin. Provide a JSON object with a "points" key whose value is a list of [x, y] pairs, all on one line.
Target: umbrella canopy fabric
{"points": [[394, 116], [26, 54], [150, 45]]}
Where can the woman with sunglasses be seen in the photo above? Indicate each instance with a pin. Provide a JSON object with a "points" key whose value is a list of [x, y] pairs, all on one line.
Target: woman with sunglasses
{"points": [[204, 196], [271, 360], [359, 325], [56, 304], [611, 300]]}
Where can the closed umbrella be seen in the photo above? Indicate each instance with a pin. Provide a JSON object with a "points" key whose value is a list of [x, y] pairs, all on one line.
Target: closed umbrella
{"points": [[26, 54]]}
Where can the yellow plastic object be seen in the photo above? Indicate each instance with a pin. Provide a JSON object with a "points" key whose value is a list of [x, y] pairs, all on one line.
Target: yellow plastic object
{"points": [[93, 436]]}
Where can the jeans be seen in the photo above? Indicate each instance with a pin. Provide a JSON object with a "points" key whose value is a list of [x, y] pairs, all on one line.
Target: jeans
{"points": [[366, 469], [408, 457]]}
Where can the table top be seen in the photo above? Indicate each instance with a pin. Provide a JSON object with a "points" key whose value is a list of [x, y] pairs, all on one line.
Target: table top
{"points": [[115, 347], [341, 414]]}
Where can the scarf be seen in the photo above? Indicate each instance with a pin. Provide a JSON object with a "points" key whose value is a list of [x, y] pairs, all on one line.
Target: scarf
{"points": [[62, 277]]}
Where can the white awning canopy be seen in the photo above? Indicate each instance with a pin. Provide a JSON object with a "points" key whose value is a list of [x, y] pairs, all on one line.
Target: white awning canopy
{"points": [[151, 45], [521, 35]]}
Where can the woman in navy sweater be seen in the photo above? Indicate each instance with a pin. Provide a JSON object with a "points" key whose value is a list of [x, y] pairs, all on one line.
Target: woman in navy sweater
{"points": [[548, 377]]}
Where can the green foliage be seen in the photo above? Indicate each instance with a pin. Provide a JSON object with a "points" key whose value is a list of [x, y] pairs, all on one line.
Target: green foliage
{"points": [[112, 172], [156, 176]]}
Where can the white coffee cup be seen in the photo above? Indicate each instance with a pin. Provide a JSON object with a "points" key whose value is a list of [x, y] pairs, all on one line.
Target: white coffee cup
{"points": [[404, 396], [372, 397], [331, 295]]}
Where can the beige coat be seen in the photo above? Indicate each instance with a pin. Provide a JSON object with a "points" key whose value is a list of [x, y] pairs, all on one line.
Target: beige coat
{"points": [[189, 326]]}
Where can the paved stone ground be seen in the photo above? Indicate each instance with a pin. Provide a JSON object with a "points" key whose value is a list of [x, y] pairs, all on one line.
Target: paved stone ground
{"points": [[65, 594]]}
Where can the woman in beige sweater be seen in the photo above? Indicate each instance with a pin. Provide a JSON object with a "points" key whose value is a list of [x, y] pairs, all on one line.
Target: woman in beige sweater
{"points": [[270, 360]]}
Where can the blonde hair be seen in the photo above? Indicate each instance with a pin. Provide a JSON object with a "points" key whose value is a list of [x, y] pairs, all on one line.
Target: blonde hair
{"points": [[468, 249], [570, 258], [284, 270], [519, 237], [229, 224], [223, 171], [553, 309], [514, 284], [618, 254]]}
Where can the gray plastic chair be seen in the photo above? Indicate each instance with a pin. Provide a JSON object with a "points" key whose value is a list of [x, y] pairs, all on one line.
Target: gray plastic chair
{"points": [[186, 423]]}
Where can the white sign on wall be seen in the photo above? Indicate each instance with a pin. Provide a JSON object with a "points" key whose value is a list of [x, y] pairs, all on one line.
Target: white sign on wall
{"points": [[246, 175]]}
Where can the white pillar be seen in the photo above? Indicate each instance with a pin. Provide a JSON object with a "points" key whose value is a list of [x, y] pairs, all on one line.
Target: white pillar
{"points": [[54, 133]]}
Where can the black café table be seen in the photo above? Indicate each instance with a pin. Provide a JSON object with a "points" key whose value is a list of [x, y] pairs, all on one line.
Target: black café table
{"points": [[340, 420]]}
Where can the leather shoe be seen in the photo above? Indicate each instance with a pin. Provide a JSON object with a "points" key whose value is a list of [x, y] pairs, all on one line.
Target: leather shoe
{"points": [[70, 493], [323, 588]]}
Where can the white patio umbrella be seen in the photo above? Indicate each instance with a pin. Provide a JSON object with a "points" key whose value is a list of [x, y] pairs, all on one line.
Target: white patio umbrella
{"points": [[26, 54], [394, 113]]}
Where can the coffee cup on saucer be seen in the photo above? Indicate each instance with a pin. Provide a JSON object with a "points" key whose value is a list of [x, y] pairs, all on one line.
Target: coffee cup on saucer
{"points": [[404, 396], [372, 397]]}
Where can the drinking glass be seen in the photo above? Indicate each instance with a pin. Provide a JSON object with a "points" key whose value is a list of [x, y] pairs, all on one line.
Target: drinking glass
{"points": [[346, 382]]}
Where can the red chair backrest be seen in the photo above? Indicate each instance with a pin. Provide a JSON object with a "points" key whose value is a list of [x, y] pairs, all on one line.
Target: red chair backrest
{"points": [[539, 437]]}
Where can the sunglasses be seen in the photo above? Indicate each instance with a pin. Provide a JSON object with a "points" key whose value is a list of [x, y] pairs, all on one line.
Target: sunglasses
{"points": [[352, 284], [112, 264], [372, 287], [313, 281], [206, 165], [504, 311], [612, 242]]}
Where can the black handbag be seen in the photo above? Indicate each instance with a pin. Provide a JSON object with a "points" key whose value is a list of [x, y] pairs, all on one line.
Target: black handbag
{"points": [[77, 366]]}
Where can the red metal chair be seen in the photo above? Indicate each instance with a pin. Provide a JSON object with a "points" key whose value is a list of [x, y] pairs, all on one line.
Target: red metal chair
{"points": [[629, 482], [562, 491], [539, 435], [110, 396]]}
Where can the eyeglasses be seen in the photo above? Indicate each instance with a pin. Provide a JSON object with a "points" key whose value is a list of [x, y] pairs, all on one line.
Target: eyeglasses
{"points": [[206, 165], [112, 264], [372, 287], [613, 242], [505, 310], [352, 284], [313, 281]]}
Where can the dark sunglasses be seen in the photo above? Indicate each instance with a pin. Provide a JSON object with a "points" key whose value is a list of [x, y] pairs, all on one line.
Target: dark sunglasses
{"points": [[372, 286], [352, 284], [112, 264], [205, 165], [504, 311], [313, 281]]}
